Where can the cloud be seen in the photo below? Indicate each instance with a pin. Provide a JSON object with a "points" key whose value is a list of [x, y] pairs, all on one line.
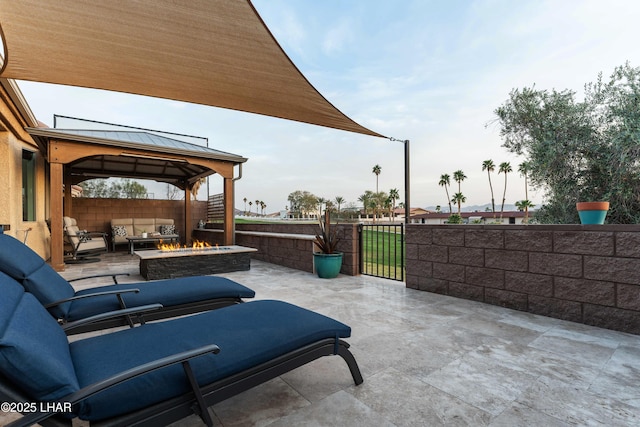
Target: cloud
{"points": [[336, 37]]}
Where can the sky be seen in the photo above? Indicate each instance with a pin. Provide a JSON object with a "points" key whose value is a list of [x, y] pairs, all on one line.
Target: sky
{"points": [[431, 72]]}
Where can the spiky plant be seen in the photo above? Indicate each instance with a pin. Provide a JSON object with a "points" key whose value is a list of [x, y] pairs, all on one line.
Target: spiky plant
{"points": [[327, 239]]}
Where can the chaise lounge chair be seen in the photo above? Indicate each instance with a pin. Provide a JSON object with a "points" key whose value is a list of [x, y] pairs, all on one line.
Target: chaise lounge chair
{"points": [[156, 373], [178, 296]]}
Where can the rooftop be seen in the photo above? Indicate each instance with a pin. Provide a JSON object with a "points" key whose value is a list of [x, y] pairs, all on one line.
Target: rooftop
{"points": [[429, 359]]}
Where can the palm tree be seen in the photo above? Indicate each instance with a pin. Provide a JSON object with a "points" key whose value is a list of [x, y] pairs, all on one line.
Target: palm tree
{"points": [[321, 201], [388, 205], [373, 205], [523, 168], [445, 180], [250, 204], [394, 194], [459, 176], [489, 166], [505, 167], [339, 201], [376, 170], [262, 207], [366, 199], [257, 205], [524, 205], [245, 205], [459, 199]]}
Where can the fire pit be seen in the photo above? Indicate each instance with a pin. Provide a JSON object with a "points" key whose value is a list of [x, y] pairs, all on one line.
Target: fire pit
{"points": [[171, 261]]}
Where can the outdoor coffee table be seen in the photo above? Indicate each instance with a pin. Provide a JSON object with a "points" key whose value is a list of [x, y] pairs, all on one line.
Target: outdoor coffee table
{"points": [[156, 239]]}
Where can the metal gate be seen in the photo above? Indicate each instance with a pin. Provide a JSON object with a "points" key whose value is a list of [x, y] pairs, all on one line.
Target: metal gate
{"points": [[382, 250]]}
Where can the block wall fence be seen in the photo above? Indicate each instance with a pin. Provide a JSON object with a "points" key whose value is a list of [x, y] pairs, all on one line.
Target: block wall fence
{"points": [[290, 245], [587, 274]]}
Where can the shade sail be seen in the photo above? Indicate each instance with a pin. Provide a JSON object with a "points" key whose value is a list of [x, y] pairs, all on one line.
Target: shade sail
{"points": [[211, 52]]}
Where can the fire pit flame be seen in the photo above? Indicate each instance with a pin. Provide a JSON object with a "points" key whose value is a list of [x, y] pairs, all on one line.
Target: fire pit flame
{"points": [[196, 246]]}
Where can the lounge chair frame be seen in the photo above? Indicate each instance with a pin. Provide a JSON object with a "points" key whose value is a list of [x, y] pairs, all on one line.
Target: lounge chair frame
{"points": [[191, 403], [168, 311], [125, 319]]}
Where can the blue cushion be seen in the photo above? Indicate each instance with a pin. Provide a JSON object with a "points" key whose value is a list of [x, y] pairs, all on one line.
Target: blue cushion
{"points": [[168, 292], [27, 267], [34, 352], [16, 258], [248, 334], [48, 286], [10, 295]]}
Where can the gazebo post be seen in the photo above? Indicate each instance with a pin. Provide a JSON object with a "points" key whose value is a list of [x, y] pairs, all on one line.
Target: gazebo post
{"points": [[57, 244], [229, 217], [188, 224], [68, 202]]}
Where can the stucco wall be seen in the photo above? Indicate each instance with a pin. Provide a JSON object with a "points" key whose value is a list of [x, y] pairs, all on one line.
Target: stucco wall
{"points": [[13, 139], [585, 274]]}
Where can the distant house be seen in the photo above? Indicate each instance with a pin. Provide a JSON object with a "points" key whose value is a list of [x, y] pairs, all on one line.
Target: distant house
{"points": [[399, 213], [510, 217]]}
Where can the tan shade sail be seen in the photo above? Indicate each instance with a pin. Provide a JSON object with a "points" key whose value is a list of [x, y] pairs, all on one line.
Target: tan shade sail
{"points": [[211, 52]]}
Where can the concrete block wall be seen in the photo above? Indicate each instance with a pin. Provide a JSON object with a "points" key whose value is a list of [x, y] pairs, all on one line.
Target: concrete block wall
{"points": [[585, 274], [285, 247], [96, 214]]}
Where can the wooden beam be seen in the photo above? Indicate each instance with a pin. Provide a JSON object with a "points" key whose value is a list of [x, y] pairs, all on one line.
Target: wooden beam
{"points": [[69, 151], [57, 241], [68, 203], [229, 217], [188, 225]]}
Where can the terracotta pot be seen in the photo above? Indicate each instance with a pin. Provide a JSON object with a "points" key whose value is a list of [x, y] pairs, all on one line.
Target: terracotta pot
{"points": [[592, 212]]}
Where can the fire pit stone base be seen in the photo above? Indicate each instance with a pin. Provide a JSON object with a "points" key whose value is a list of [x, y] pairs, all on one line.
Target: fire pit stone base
{"points": [[158, 264]]}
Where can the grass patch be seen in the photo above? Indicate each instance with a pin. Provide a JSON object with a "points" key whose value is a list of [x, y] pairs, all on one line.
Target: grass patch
{"points": [[382, 252]]}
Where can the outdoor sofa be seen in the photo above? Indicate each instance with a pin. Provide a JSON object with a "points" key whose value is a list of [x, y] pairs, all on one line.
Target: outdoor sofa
{"points": [[156, 373], [178, 296], [121, 228]]}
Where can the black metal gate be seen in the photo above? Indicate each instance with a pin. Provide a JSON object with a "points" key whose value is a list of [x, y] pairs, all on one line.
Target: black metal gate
{"points": [[382, 250]]}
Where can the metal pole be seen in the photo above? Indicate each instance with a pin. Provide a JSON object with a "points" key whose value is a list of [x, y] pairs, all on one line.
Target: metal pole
{"points": [[407, 179]]}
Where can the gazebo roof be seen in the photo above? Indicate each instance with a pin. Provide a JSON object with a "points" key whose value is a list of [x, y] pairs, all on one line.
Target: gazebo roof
{"points": [[134, 154]]}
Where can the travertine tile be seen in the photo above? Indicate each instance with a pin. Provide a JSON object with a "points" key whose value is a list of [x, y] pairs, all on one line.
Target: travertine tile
{"points": [[427, 360]]}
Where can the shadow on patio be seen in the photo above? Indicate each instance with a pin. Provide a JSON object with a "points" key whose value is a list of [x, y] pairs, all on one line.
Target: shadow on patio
{"points": [[429, 359]]}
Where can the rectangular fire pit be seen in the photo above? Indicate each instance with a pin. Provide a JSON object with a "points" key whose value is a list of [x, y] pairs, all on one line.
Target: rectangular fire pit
{"points": [[157, 264]]}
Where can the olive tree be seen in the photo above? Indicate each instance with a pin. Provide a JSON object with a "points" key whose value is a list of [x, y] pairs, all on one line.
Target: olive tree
{"points": [[579, 150]]}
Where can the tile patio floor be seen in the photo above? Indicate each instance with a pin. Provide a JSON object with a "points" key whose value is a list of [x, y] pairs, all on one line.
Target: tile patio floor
{"points": [[430, 360]]}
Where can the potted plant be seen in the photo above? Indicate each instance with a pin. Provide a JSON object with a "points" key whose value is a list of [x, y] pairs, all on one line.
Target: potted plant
{"points": [[592, 212], [327, 261]]}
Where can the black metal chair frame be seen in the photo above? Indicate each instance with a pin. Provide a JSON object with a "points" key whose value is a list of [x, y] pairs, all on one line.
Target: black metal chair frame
{"points": [[195, 402]]}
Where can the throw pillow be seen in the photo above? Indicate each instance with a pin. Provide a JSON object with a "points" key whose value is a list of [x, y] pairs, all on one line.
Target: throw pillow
{"points": [[167, 229], [119, 230], [83, 236]]}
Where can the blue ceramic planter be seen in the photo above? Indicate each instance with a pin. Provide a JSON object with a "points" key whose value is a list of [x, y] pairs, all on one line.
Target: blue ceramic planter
{"points": [[327, 265]]}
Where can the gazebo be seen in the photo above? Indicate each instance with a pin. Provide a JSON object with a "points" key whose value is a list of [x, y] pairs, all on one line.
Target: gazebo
{"points": [[77, 155]]}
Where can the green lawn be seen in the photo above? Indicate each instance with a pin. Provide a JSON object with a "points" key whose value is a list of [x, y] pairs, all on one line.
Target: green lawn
{"points": [[382, 252]]}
